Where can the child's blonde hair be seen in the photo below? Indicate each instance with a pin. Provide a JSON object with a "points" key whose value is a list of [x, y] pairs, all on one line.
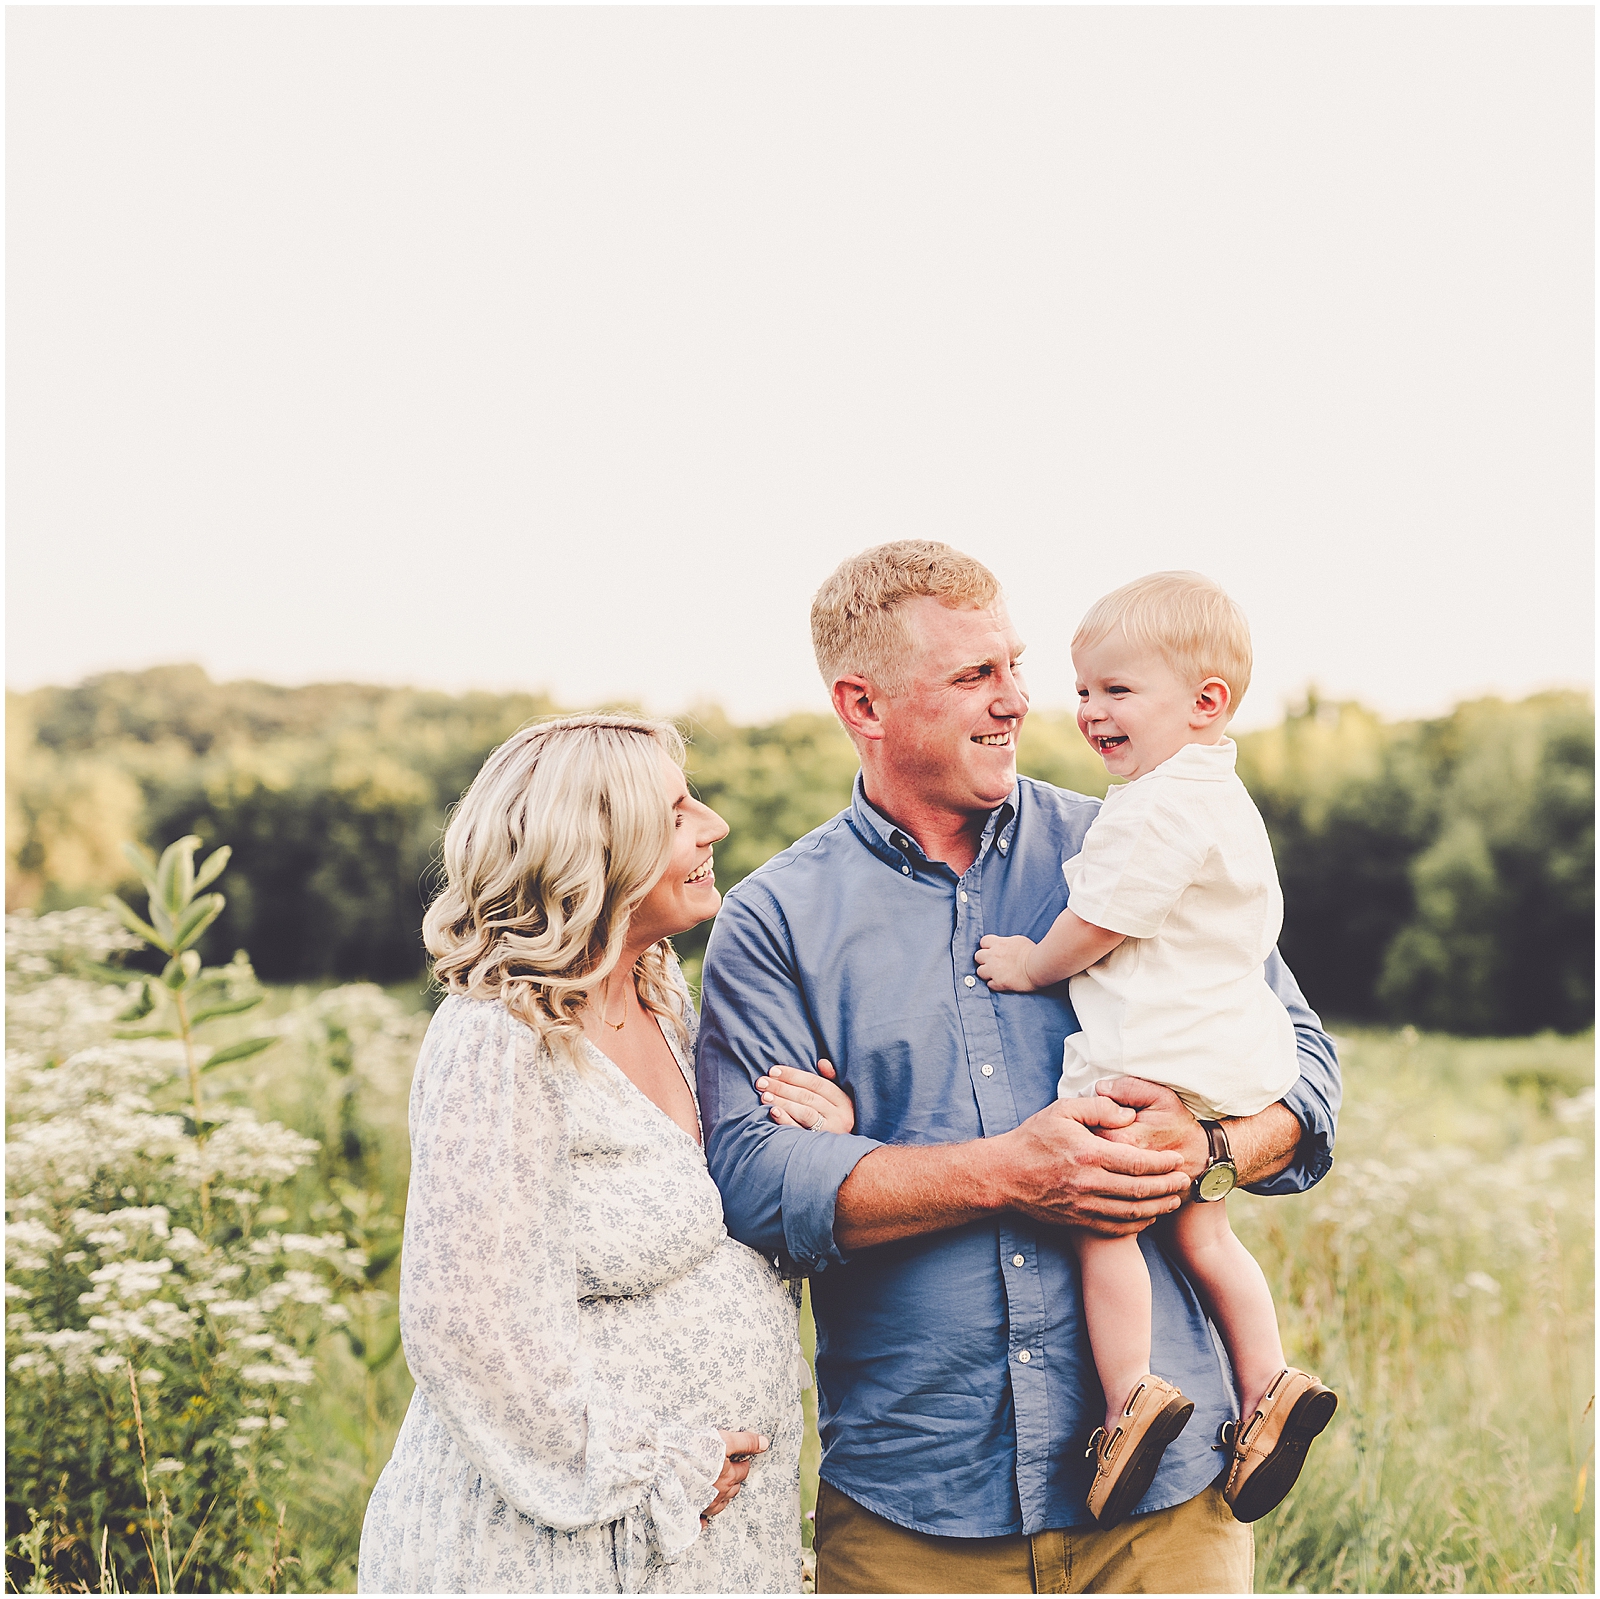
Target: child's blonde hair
{"points": [[1186, 619]]}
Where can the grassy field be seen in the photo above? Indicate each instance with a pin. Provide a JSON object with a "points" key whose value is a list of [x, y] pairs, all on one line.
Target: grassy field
{"points": [[1441, 1279]]}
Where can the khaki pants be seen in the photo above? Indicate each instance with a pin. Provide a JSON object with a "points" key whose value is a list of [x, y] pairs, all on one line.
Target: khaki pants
{"points": [[1193, 1548]]}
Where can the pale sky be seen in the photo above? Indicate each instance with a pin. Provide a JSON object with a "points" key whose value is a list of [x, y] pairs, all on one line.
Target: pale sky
{"points": [[571, 349]]}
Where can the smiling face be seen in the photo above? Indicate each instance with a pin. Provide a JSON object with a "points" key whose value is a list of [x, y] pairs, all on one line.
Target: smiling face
{"points": [[686, 892], [949, 737], [1137, 712]]}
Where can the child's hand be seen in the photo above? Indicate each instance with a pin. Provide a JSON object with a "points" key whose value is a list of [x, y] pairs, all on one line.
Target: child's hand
{"points": [[811, 1100], [1003, 963]]}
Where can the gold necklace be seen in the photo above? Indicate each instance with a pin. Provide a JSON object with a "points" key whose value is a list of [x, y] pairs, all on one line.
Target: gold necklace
{"points": [[605, 1002]]}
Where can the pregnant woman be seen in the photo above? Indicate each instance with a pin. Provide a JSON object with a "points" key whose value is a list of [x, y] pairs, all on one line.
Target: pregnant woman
{"points": [[608, 1386]]}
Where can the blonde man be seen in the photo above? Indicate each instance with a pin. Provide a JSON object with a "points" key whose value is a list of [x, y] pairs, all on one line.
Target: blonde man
{"points": [[954, 1369]]}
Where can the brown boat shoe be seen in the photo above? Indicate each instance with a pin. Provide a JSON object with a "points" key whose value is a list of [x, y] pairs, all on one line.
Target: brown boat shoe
{"points": [[1126, 1461], [1270, 1449]]}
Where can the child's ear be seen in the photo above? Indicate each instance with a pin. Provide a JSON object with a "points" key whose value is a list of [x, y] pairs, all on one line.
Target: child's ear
{"points": [[1212, 702]]}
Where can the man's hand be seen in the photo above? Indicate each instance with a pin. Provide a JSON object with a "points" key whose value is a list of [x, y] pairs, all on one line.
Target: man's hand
{"points": [[1262, 1145], [1003, 963], [1160, 1121], [1053, 1167], [1063, 1171]]}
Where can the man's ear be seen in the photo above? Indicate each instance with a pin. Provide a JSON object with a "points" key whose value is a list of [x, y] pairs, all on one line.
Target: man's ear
{"points": [[1213, 701], [853, 705]]}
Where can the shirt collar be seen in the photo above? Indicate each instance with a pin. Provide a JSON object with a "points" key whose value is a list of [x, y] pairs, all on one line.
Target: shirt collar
{"points": [[891, 843], [1209, 762]]}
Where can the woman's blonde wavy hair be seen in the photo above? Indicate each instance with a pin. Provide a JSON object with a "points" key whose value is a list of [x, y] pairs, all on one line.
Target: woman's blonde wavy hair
{"points": [[561, 835]]}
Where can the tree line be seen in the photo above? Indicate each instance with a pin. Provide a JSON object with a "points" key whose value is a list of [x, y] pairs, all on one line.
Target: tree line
{"points": [[1438, 872]]}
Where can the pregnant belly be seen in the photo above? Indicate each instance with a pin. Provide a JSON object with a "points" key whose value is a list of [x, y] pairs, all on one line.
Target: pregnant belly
{"points": [[717, 1347]]}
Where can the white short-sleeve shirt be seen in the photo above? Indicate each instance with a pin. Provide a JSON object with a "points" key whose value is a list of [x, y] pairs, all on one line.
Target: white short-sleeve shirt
{"points": [[1179, 861]]}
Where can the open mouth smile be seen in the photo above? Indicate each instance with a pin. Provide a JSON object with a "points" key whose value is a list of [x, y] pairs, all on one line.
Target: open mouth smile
{"points": [[1106, 742], [704, 873], [994, 741]]}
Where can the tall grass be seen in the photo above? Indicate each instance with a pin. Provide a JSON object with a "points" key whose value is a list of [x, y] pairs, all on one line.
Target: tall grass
{"points": [[1441, 1279]]}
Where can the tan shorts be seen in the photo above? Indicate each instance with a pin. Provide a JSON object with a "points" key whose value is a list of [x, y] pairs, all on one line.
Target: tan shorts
{"points": [[1195, 1547]]}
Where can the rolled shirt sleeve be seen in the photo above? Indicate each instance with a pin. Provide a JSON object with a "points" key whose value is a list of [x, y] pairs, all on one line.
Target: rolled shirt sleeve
{"points": [[1315, 1098], [779, 1184]]}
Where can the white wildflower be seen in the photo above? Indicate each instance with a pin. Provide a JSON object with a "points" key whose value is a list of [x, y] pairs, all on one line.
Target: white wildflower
{"points": [[126, 1280], [286, 1366], [112, 1229], [25, 1241], [1577, 1109], [66, 1154], [61, 1017], [64, 940], [245, 1150], [67, 1350], [184, 1244]]}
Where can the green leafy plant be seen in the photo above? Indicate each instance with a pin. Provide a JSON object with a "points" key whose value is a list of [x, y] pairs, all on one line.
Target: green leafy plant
{"points": [[161, 1333], [179, 914]]}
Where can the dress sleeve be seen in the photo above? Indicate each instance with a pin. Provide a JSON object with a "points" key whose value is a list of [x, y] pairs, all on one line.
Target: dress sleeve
{"points": [[1138, 857], [489, 1309]]}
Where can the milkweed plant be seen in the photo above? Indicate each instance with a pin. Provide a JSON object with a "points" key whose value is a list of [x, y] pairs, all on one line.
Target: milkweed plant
{"points": [[161, 1332]]}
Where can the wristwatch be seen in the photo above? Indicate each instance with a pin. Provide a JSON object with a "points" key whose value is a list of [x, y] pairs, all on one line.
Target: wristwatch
{"points": [[1221, 1176]]}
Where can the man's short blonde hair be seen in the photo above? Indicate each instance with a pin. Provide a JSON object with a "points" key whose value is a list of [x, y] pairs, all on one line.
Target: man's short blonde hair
{"points": [[858, 626], [1186, 619]]}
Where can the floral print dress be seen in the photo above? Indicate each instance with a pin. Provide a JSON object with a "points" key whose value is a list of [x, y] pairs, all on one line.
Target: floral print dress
{"points": [[579, 1324]]}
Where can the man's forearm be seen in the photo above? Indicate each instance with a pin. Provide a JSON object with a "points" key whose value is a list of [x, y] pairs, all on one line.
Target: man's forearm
{"points": [[1264, 1144], [1053, 1168], [902, 1193]]}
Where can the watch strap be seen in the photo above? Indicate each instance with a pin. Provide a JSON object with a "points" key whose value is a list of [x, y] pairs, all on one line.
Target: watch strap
{"points": [[1217, 1138]]}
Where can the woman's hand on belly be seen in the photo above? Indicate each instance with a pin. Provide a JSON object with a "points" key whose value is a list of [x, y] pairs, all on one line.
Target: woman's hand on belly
{"points": [[741, 1448]]}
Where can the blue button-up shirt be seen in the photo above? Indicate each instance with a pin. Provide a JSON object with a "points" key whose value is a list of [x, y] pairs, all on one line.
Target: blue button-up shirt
{"points": [[956, 1386]]}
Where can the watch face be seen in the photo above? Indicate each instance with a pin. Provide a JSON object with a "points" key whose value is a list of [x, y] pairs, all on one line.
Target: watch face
{"points": [[1218, 1180]]}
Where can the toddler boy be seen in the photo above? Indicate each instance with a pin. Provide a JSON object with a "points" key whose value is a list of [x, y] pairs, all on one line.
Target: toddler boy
{"points": [[1174, 907]]}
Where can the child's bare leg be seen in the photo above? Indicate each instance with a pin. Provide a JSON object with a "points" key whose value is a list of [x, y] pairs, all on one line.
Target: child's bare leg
{"points": [[1235, 1291], [1116, 1307]]}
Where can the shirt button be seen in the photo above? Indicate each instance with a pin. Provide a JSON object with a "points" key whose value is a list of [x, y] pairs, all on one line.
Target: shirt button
{"points": [[906, 870], [1002, 851], [1017, 1260], [969, 981], [988, 1071], [963, 896], [1024, 1357]]}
